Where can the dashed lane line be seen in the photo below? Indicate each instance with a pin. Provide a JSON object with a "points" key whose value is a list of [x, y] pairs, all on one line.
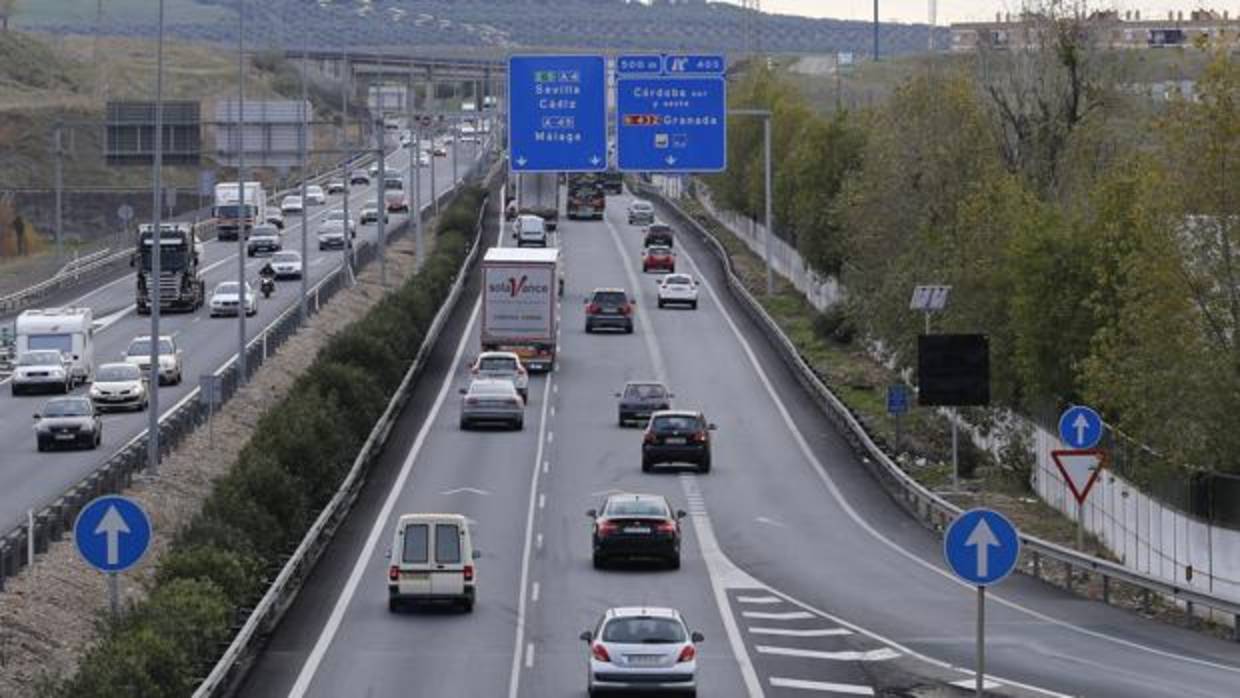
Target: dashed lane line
{"points": [[759, 600], [801, 632], [778, 615], [879, 655]]}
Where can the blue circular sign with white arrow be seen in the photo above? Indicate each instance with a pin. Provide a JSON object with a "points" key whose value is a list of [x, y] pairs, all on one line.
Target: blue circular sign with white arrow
{"points": [[981, 546], [112, 533], [1080, 427]]}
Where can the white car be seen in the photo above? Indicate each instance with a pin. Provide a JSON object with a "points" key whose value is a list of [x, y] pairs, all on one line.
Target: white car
{"points": [[42, 369], [530, 230], [119, 386], [503, 365], [641, 212], [291, 204], [335, 186], [287, 265], [315, 195], [226, 299], [678, 289], [432, 559], [139, 354], [642, 648]]}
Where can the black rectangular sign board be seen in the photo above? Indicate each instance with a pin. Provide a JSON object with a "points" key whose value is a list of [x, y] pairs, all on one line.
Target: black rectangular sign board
{"points": [[953, 370]]}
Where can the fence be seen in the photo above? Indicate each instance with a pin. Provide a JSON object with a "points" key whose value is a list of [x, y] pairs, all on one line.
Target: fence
{"points": [[53, 519], [1037, 555]]}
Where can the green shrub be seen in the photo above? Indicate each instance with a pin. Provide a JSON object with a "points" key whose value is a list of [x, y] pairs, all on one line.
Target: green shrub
{"points": [[235, 573]]}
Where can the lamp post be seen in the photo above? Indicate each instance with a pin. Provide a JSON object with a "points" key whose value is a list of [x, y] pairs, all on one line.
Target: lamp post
{"points": [[765, 115], [152, 428], [241, 232]]}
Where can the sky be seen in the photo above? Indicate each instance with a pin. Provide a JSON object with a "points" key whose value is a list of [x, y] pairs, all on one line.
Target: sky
{"points": [[968, 10]]}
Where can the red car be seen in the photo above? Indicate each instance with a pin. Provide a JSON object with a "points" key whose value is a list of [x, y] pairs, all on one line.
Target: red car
{"points": [[658, 258]]}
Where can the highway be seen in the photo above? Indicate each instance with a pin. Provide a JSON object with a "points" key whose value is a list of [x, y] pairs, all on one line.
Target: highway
{"points": [[29, 479], [805, 578]]}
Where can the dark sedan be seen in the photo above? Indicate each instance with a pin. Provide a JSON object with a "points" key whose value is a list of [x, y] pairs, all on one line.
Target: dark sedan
{"points": [[677, 436], [636, 526], [68, 421], [640, 399]]}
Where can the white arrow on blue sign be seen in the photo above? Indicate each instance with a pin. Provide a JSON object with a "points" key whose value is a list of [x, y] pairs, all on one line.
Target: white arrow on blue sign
{"points": [[1080, 427], [981, 546], [112, 533]]}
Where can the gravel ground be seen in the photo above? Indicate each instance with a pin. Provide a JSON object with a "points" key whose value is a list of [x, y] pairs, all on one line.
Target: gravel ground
{"points": [[48, 614]]}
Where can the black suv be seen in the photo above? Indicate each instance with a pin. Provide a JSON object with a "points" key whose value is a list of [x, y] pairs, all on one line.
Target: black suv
{"points": [[658, 234], [609, 307], [636, 525], [640, 399], [677, 436]]}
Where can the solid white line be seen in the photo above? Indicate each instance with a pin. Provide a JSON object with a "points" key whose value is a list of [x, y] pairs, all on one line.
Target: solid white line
{"points": [[759, 599], [792, 632], [878, 655], [852, 513], [971, 683], [529, 656], [778, 615], [514, 679], [823, 686], [379, 529]]}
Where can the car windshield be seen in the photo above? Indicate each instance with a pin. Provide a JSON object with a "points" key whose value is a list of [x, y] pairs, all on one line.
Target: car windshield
{"points": [[644, 631], [645, 391], [39, 358], [285, 257], [117, 372], [610, 298], [142, 347], [264, 233], [393, 184], [497, 363], [335, 215], [332, 227], [675, 280], [314, 191], [73, 407], [227, 287], [636, 506], [642, 206], [490, 388], [676, 423], [292, 199], [659, 251]]}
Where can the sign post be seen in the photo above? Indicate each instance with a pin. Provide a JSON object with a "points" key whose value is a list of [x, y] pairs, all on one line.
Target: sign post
{"points": [[982, 548], [557, 115], [112, 533], [1080, 427], [897, 405]]}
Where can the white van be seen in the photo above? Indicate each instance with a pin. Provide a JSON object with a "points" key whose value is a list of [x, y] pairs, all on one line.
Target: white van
{"points": [[432, 559], [68, 330]]}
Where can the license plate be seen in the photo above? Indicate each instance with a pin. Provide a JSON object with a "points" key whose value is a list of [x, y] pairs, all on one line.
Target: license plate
{"points": [[644, 659], [415, 576], [66, 437], [676, 441], [637, 529]]}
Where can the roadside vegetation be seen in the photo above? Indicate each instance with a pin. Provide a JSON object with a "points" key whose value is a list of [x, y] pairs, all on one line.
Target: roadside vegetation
{"points": [[1088, 229], [220, 564]]}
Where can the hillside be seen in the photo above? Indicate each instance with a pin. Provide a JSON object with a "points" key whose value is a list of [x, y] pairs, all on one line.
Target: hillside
{"points": [[498, 25]]}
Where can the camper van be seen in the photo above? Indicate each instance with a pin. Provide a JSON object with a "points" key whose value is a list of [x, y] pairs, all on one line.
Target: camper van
{"points": [[68, 330]]}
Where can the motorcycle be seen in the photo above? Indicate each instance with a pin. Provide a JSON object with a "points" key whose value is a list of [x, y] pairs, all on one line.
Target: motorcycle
{"points": [[267, 286]]}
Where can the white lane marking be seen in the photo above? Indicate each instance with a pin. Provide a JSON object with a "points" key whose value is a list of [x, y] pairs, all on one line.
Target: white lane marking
{"points": [[529, 656], [538, 541], [546, 466], [794, 632], [514, 679], [879, 655], [109, 320], [379, 529], [534, 592], [777, 615], [972, 683], [550, 435], [647, 330], [852, 513], [759, 599], [553, 410], [542, 501], [822, 686], [466, 490], [769, 522]]}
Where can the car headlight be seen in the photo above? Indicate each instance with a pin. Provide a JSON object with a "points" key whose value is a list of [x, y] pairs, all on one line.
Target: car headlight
{"points": [[42, 427]]}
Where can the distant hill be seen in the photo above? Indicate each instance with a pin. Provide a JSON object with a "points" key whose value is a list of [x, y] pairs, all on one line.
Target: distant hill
{"points": [[495, 26]]}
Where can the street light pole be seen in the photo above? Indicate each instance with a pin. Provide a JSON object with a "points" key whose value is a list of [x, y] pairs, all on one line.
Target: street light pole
{"points": [[242, 233], [305, 229], [765, 115], [157, 251]]}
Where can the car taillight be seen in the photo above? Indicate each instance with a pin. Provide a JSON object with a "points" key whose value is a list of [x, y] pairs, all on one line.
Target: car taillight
{"points": [[626, 309], [469, 573], [592, 309], [666, 527], [515, 402], [393, 573], [687, 653], [471, 401], [600, 652], [700, 437], [607, 528], [649, 437]]}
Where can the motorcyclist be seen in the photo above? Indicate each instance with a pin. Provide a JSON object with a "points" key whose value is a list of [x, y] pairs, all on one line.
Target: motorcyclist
{"points": [[267, 283], [267, 272]]}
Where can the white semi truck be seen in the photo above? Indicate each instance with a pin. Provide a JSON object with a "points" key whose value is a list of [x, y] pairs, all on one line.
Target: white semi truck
{"points": [[519, 291], [230, 219]]}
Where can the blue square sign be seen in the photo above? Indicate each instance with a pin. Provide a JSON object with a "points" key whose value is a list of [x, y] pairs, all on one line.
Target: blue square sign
{"points": [[557, 115], [671, 124]]}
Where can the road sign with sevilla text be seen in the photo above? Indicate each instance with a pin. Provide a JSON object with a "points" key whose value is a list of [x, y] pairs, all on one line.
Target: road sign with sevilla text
{"points": [[1080, 469]]}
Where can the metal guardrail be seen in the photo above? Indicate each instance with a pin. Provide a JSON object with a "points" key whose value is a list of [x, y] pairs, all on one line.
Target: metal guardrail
{"points": [[54, 518], [929, 508], [238, 657]]}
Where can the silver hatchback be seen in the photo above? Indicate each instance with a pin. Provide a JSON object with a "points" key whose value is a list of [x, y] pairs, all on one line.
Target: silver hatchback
{"points": [[489, 400], [642, 649]]}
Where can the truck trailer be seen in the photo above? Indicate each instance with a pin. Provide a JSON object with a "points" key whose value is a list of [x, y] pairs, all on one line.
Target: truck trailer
{"points": [[519, 314]]}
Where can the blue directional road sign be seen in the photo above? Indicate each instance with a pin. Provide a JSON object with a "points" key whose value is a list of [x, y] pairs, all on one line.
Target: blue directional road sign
{"points": [[557, 113], [672, 124], [689, 64], [112, 533], [639, 64], [897, 398], [1080, 427], [981, 546]]}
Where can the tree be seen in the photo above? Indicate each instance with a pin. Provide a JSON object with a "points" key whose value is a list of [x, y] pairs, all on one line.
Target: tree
{"points": [[810, 180]]}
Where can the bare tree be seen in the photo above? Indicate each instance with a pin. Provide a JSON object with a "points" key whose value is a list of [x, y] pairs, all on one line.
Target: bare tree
{"points": [[1042, 75]]}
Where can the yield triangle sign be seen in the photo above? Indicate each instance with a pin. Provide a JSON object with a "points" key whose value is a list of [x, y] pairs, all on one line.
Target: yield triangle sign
{"points": [[1080, 469]]}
